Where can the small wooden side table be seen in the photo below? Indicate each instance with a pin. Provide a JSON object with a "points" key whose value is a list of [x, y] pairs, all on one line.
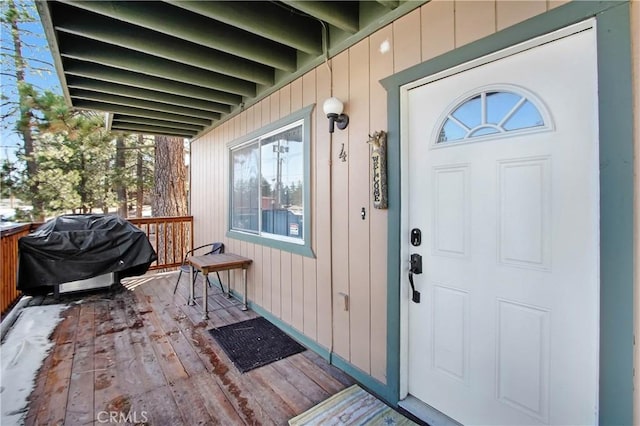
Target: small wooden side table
{"points": [[215, 263]]}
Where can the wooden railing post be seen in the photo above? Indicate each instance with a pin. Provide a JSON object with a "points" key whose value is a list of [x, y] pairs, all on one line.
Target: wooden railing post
{"points": [[9, 293]]}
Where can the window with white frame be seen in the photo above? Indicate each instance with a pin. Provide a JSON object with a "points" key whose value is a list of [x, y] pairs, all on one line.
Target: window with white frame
{"points": [[269, 194], [494, 112]]}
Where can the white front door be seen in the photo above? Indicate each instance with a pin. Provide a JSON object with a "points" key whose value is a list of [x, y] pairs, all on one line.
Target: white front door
{"points": [[502, 163]]}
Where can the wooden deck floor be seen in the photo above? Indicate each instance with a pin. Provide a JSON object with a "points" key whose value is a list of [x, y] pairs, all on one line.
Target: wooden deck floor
{"points": [[140, 355]]}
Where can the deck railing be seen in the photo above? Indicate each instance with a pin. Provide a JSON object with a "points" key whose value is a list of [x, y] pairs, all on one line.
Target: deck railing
{"points": [[171, 237], [9, 256]]}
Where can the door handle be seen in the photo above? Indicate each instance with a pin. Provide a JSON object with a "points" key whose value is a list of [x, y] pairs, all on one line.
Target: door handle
{"points": [[415, 268], [416, 264]]}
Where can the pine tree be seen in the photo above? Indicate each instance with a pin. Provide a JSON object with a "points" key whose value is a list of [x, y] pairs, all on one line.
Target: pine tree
{"points": [[75, 156], [15, 65]]}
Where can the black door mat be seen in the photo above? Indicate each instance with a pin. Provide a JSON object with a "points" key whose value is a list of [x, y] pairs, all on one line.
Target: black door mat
{"points": [[253, 343]]}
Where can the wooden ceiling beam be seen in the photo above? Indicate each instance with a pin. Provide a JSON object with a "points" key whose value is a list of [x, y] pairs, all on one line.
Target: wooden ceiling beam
{"points": [[340, 14], [74, 82], [389, 4], [123, 118], [139, 112], [274, 22], [129, 78], [150, 130], [139, 103], [197, 29], [100, 53], [117, 33]]}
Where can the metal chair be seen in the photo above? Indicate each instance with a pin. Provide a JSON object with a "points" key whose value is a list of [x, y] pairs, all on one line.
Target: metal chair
{"points": [[215, 248]]}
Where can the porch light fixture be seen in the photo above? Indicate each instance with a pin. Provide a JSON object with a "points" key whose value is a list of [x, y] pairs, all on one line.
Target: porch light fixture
{"points": [[333, 108]]}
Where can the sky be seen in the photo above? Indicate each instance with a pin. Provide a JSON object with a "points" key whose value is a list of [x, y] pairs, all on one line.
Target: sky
{"points": [[35, 47]]}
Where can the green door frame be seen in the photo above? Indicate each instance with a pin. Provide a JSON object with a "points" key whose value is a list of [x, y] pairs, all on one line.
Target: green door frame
{"points": [[616, 189]]}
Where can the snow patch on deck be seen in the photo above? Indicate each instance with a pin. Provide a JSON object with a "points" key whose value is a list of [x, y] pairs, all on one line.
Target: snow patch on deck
{"points": [[22, 353]]}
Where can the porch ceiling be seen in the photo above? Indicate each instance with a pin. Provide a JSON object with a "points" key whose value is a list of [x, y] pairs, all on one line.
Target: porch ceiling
{"points": [[181, 67]]}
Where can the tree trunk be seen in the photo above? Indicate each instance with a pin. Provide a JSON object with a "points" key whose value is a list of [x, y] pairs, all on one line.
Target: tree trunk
{"points": [[82, 185], [139, 178], [170, 196], [106, 188], [24, 123], [121, 189]]}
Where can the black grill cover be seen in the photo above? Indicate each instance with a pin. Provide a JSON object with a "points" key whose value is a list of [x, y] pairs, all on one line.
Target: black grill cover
{"points": [[77, 247]]}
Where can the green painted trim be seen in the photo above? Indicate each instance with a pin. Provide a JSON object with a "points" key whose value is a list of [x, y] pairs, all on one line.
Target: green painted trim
{"points": [[394, 219], [616, 207], [301, 249], [380, 390], [304, 113], [372, 385], [364, 379], [616, 216], [299, 336]]}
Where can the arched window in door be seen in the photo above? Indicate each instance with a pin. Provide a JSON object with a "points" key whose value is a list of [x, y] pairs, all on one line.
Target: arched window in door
{"points": [[493, 112]]}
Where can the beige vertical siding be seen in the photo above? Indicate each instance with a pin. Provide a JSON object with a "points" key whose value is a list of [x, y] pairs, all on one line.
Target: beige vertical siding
{"points": [[437, 19], [340, 214], [406, 41], [297, 292], [282, 287], [285, 288], [296, 261], [359, 232], [276, 283], [512, 12], [474, 20], [350, 253], [310, 297], [322, 220], [381, 66]]}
